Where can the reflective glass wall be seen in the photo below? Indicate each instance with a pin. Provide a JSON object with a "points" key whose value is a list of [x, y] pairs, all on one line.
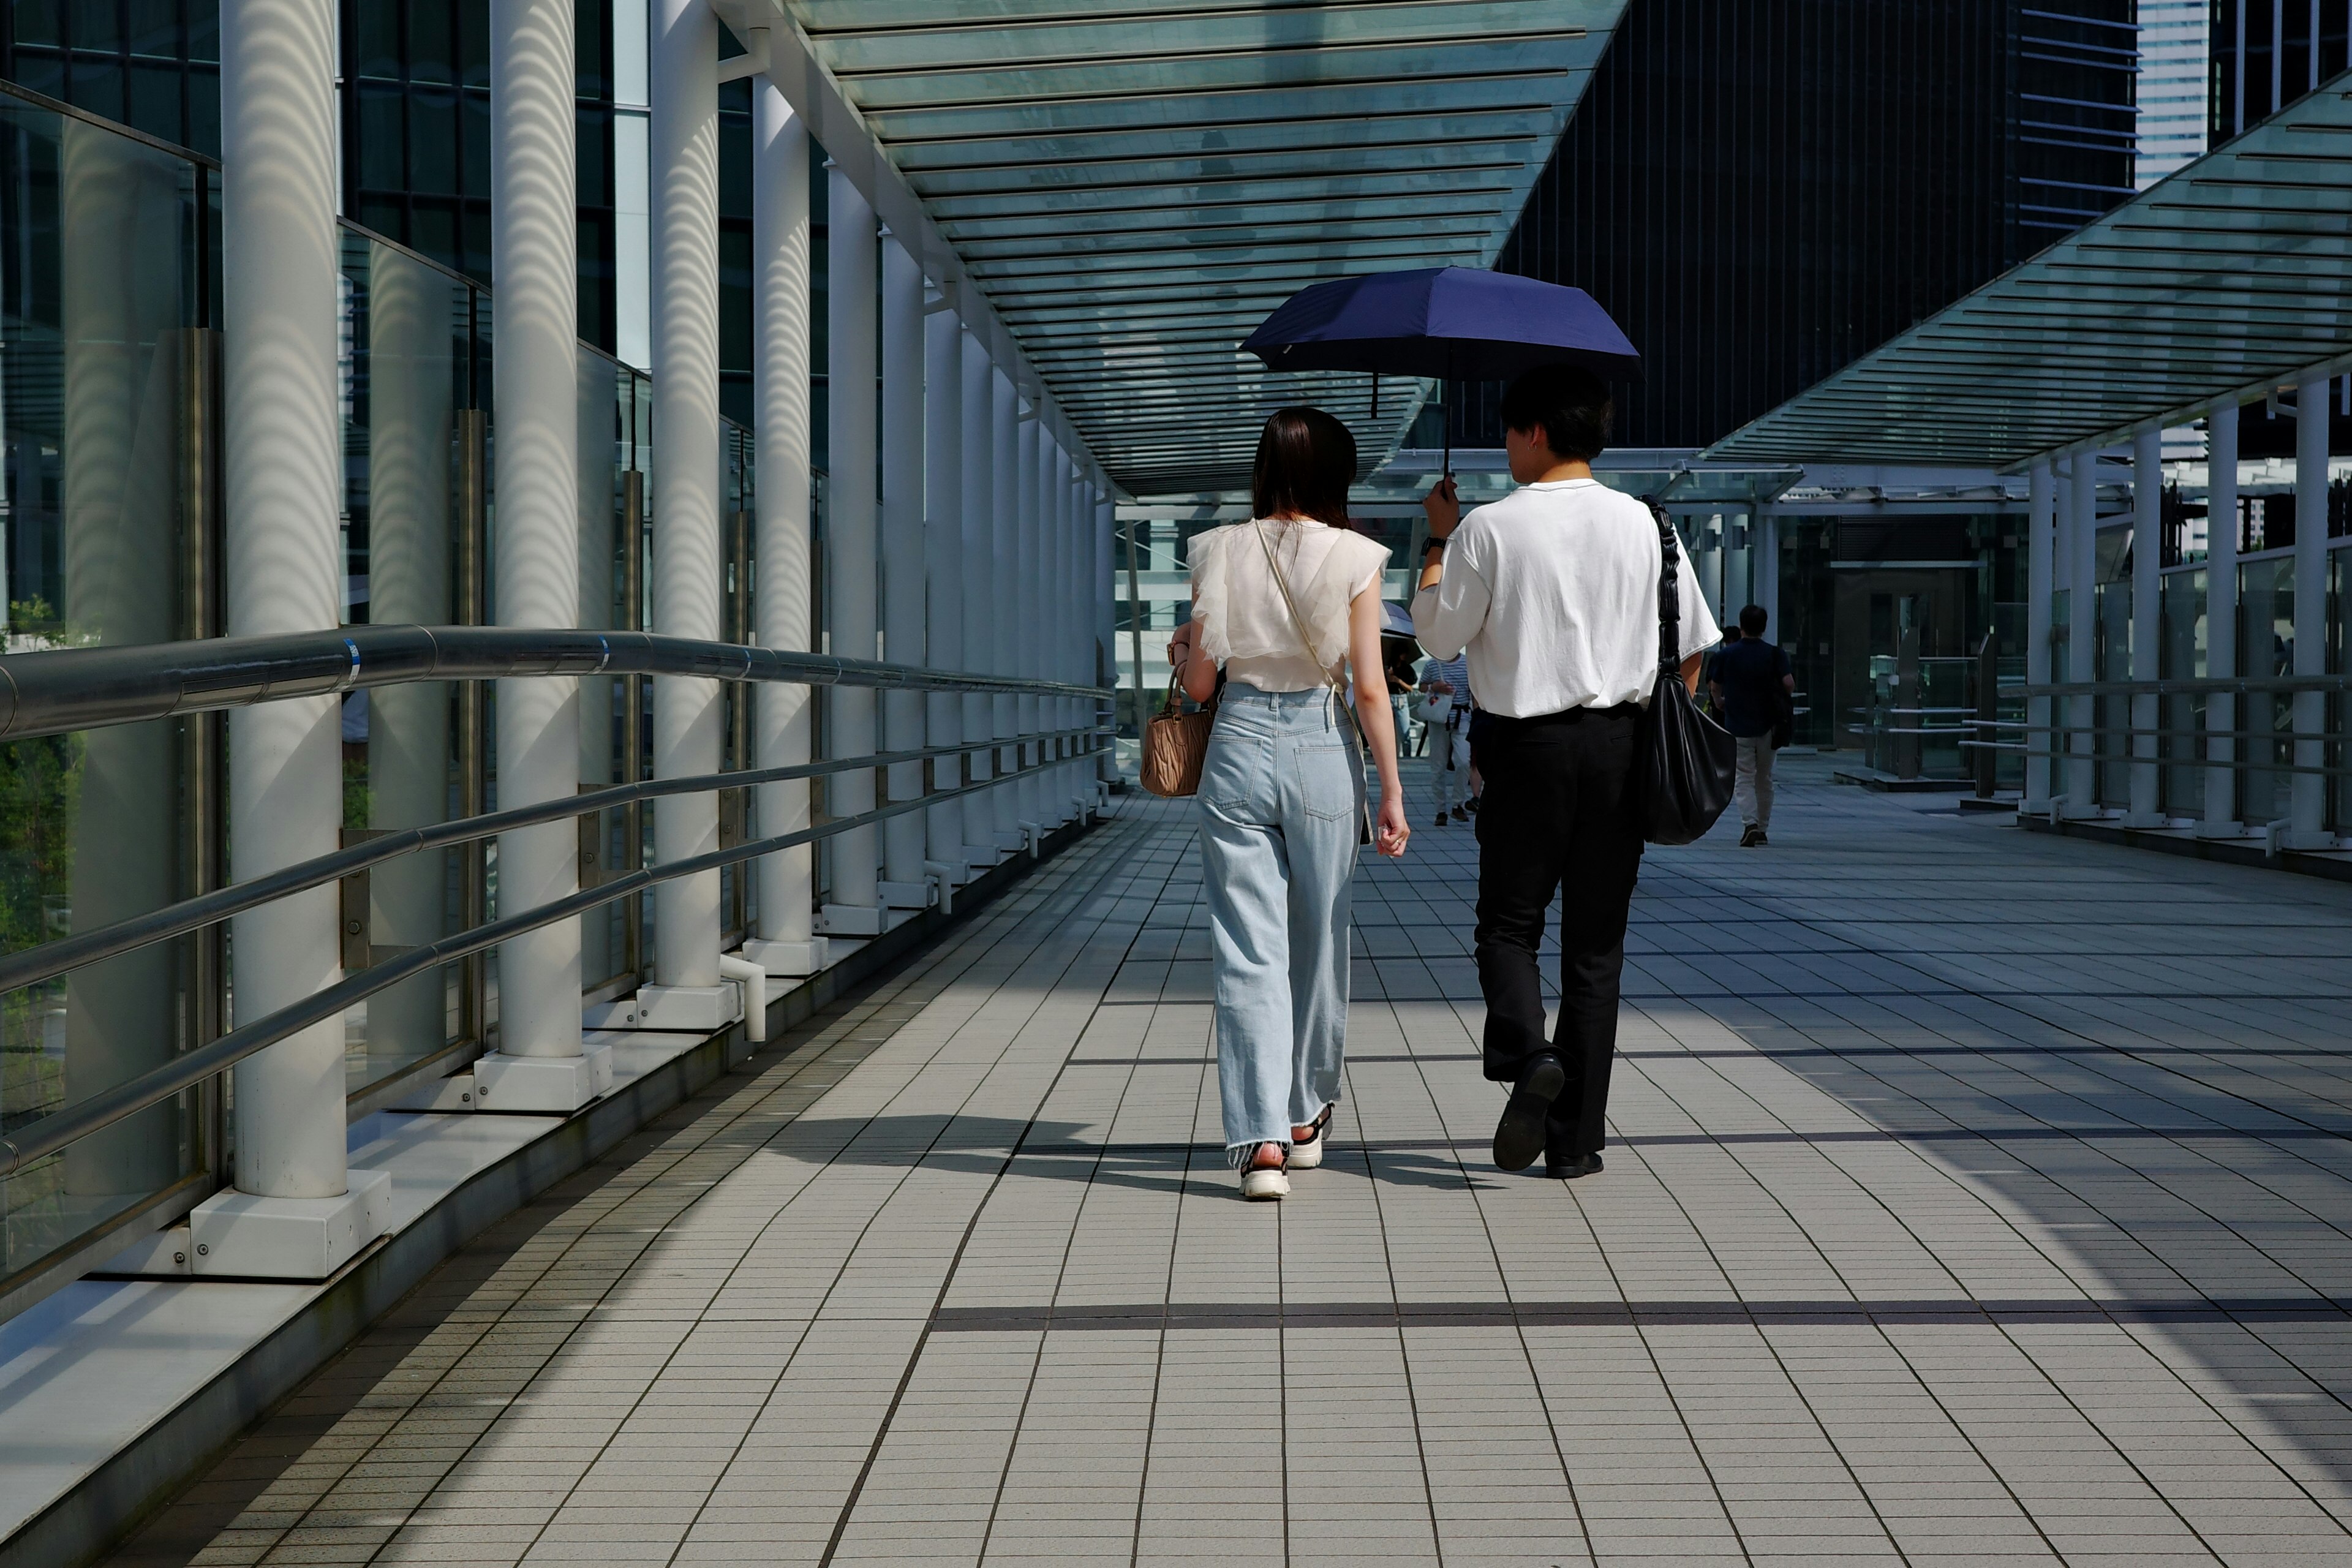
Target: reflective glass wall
{"points": [[107, 392]]}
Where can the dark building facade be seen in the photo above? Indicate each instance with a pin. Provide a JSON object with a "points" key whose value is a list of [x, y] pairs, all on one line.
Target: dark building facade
{"points": [[2265, 56], [1761, 193]]}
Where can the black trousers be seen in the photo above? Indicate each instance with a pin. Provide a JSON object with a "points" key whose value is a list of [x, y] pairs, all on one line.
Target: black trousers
{"points": [[1558, 815]]}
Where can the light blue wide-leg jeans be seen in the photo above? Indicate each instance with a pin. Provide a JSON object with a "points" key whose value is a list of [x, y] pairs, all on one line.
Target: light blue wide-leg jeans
{"points": [[1280, 791]]}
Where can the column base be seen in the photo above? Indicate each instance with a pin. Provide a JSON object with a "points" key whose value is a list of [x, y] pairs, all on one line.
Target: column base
{"points": [[850, 919], [904, 895], [1033, 837], [2307, 838], [555, 1085], [698, 1009], [241, 1235], [2220, 830], [2070, 812], [981, 857], [2146, 819], [1009, 842], [787, 960]]}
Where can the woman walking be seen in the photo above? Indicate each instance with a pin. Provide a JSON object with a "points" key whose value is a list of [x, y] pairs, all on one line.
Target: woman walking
{"points": [[1283, 604]]}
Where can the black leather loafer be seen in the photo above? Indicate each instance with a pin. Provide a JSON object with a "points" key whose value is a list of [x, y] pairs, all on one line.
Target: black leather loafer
{"points": [[1568, 1169], [1519, 1135]]}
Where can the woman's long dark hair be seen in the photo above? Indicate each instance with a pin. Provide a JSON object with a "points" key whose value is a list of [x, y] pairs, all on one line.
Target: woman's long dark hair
{"points": [[1306, 461]]}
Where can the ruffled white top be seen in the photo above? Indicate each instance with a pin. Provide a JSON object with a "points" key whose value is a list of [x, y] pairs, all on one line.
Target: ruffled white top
{"points": [[1238, 608]]}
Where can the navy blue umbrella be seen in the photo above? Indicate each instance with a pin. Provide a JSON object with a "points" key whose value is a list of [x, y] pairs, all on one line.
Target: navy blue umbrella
{"points": [[1455, 323]]}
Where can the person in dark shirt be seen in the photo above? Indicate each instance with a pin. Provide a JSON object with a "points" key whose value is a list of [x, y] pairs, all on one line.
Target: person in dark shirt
{"points": [[1752, 684]]}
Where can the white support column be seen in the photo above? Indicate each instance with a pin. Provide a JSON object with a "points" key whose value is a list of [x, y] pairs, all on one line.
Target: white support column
{"points": [[2308, 799], [296, 1213], [855, 909], [1764, 558], [2147, 620], [981, 609], [1004, 611], [1106, 532], [1027, 602], [2082, 630], [2220, 819], [689, 990], [902, 562], [534, 253], [2041, 556], [1054, 622], [943, 482], [787, 944]]}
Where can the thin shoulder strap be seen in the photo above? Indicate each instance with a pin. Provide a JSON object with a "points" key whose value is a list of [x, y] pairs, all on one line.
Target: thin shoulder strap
{"points": [[1298, 621]]}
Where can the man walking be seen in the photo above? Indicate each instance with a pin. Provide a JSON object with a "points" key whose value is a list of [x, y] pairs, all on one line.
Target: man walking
{"points": [[1445, 709], [1553, 592], [1752, 684]]}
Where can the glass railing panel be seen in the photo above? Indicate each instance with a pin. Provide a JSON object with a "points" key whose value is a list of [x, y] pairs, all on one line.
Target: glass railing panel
{"points": [[2266, 647], [2182, 658], [414, 554], [610, 502], [105, 368]]}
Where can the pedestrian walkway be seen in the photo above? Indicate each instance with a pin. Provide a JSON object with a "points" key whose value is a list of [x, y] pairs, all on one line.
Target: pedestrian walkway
{"points": [[1971, 1197]]}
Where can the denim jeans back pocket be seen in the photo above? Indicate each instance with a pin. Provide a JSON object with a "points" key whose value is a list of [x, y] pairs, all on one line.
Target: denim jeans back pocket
{"points": [[1324, 788], [1229, 772]]}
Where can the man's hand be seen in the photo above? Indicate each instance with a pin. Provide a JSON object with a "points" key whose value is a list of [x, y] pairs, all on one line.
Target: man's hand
{"points": [[1443, 505]]}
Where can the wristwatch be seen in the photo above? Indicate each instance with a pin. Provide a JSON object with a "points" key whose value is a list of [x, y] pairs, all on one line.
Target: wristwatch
{"points": [[1434, 542]]}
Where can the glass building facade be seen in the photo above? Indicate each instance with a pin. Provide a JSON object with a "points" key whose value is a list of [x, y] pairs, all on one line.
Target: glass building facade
{"points": [[1760, 194]]}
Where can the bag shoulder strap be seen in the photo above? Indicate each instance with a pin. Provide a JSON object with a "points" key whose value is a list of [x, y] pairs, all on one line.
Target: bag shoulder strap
{"points": [[1297, 621], [1670, 614]]}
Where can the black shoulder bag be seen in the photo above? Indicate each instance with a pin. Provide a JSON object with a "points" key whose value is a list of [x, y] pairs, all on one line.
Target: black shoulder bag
{"points": [[1687, 760]]}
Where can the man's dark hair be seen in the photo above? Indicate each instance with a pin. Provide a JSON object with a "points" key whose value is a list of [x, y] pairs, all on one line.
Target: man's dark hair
{"points": [[1571, 404], [1306, 461], [1752, 619]]}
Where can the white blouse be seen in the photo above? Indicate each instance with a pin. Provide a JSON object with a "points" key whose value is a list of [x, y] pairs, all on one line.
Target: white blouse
{"points": [[1242, 621]]}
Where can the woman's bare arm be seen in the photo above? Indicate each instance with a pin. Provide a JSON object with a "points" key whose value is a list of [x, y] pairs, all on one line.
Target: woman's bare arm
{"points": [[1376, 718]]}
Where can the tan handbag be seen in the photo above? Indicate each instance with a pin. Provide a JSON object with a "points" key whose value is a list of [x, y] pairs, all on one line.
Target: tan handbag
{"points": [[1175, 745]]}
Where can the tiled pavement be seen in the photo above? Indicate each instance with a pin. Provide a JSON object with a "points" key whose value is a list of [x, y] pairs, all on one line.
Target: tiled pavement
{"points": [[1973, 1198]]}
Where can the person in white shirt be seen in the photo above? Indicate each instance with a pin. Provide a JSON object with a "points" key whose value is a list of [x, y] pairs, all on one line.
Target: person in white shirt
{"points": [[1284, 604], [1553, 592]]}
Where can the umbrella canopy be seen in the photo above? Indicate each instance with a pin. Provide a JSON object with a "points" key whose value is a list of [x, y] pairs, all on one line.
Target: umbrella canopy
{"points": [[1395, 621], [1455, 323]]}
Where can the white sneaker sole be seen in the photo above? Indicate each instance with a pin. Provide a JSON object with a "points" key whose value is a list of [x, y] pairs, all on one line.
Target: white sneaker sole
{"points": [[1306, 1156], [1265, 1183]]}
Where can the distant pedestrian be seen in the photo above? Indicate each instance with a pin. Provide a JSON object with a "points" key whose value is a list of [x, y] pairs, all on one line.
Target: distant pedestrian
{"points": [[1753, 685], [1284, 604], [1445, 706], [1553, 590]]}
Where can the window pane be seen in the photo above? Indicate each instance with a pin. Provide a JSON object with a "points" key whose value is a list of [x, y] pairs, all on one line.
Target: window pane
{"points": [[97, 25], [380, 137], [433, 142], [40, 22], [156, 99], [428, 42], [97, 86], [476, 113], [155, 28], [378, 41]]}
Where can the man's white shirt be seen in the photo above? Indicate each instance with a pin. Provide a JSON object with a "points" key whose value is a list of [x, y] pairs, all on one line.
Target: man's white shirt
{"points": [[1553, 591]]}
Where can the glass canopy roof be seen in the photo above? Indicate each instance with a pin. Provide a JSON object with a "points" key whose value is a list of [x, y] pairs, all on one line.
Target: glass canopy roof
{"points": [[2230, 275], [1134, 186]]}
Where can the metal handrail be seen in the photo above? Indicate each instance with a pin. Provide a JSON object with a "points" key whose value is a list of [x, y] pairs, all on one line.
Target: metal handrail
{"points": [[109, 1106], [33, 965], [63, 691], [58, 691], [2199, 686]]}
